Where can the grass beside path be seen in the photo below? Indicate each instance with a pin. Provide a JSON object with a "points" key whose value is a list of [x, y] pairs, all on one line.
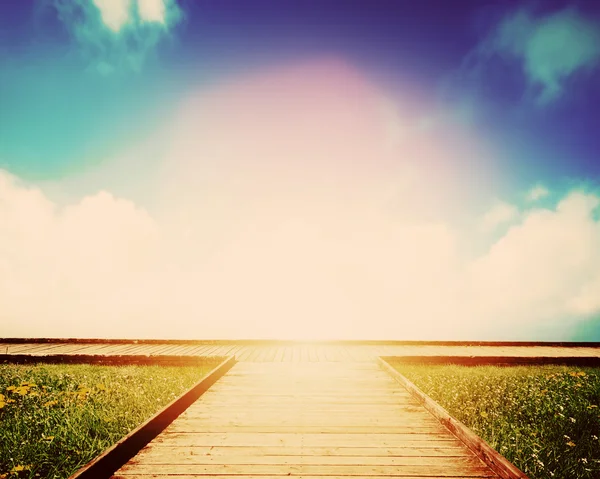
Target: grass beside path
{"points": [[544, 419], [56, 418]]}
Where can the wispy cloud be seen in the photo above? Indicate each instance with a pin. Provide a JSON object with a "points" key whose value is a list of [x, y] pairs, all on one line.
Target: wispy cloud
{"points": [[549, 49], [118, 36], [537, 193]]}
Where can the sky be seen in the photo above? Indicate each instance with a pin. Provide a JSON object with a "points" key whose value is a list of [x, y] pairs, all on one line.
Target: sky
{"points": [[300, 169]]}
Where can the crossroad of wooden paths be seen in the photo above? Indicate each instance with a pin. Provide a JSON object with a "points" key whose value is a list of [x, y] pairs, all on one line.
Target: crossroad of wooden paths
{"points": [[305, 419], [288, 351]]}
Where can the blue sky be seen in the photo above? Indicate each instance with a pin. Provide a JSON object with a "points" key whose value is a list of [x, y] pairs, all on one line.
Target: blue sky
{"points": [[163, 107], [427, 44]]}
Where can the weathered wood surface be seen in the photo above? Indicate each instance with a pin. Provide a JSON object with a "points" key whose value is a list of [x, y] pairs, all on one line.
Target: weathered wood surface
{"points": [[274, 419], [308, 352]]}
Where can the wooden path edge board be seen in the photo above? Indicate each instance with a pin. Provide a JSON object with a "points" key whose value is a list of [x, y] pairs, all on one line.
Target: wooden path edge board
{"points": [[496, 462], [579, 361], [107, 463], [100, 359]]}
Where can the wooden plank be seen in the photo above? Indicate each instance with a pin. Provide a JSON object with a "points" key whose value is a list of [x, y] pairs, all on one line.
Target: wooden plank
{"points": [[270, 355], [204, 349], [242, 476], [179, 350], [188, 456], [325, 401], [237, 476], [279, 354], [193, 426], [37, 349], [99, 348], [309, 376], [255, 353], [287, 356], [427, 470], [311, 440], [105, 349], [123, 349], [244, 353], [349, 389], [168, 350], [352, 383], [314, 421], [66, 348], [394, 414], [186, 350], [303, 353], [329, 392], [226, 350], [345, 385], [375, 382], [195, 351], [386, 411], [302, 372], [295, 354], [210, 350], [310, 451]]}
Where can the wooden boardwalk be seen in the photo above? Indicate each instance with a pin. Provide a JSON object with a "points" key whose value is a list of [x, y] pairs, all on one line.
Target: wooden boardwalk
{"points": [[290, 352], [305, 419]]}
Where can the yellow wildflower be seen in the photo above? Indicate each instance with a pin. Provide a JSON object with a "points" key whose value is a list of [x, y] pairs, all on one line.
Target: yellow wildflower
{"points": [[20, 468]]}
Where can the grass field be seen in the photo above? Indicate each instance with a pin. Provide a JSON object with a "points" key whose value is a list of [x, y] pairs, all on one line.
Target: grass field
{"points": [[56, 418], [544, 419]]}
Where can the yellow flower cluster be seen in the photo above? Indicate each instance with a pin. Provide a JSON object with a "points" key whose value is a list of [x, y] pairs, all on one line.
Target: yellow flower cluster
{"points": [[16, 470], [4, 401], [30, 389]]}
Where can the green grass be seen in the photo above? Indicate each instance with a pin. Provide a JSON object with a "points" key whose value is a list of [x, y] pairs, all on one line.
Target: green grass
{"points": [[544, 419], [56, 418]]}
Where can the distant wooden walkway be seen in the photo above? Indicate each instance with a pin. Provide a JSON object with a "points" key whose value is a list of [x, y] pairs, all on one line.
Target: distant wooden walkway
{"points": [[292, 352], [303, 419]]}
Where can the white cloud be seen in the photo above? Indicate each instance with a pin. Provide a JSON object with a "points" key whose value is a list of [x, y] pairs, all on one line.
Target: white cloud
{"points": [[587, 301], [114, 13], [152, 10], [541, 266], [105, 267], [501, 213], [537, 193], [118, 36], [84, 261]]}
